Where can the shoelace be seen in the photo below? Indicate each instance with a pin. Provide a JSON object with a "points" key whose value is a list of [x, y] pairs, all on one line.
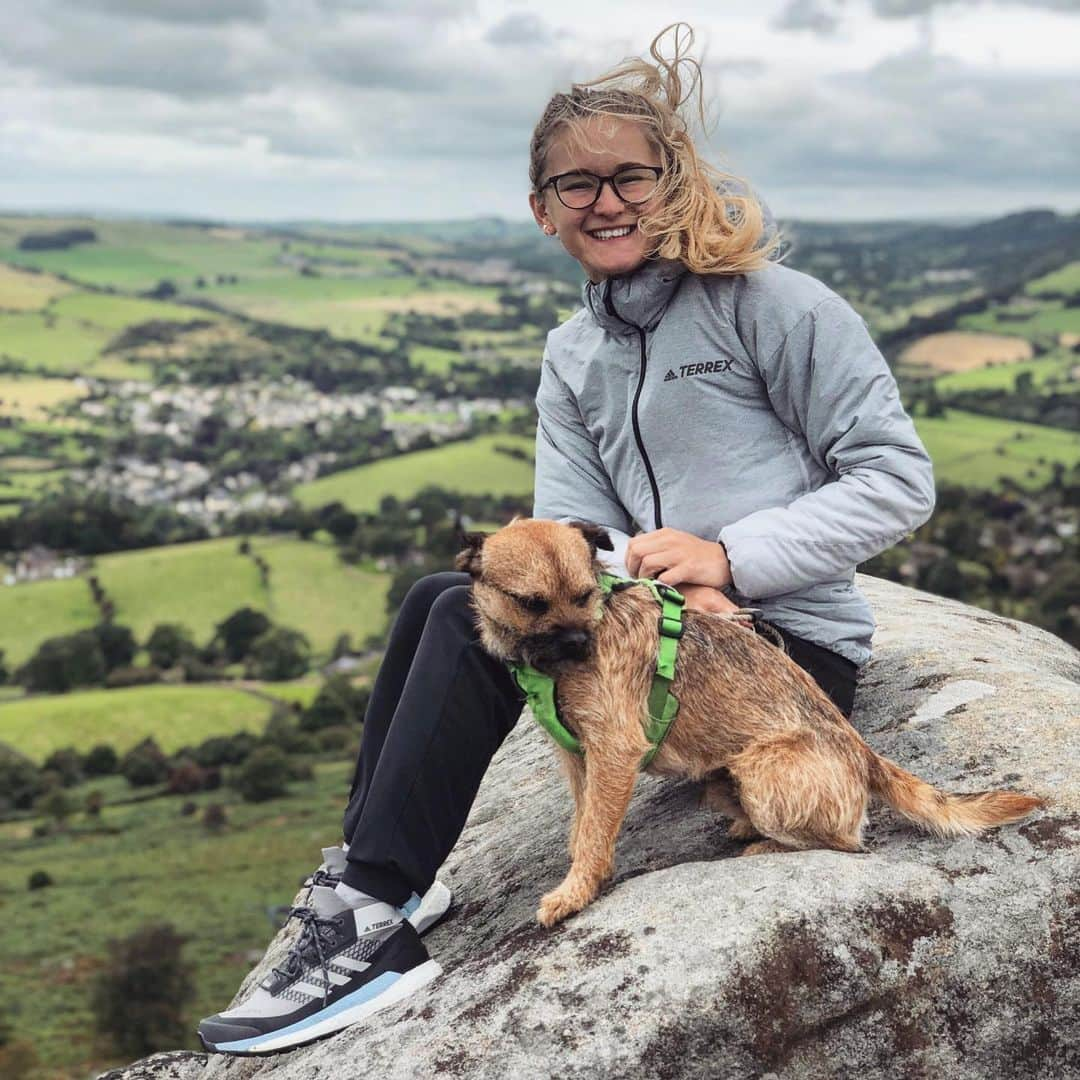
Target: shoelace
{"points": [[323, 877], [310, 934]]}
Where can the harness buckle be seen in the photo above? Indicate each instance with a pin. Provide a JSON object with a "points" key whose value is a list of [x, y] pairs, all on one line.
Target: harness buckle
{"points": [[669, 627], [669, 592]]}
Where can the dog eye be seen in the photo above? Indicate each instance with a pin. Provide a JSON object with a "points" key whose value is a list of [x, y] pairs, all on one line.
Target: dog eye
{"points": [[536, 605], [584, 598]]}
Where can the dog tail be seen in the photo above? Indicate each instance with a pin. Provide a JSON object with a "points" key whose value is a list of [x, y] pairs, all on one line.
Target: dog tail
{"points": [[945, 815]]}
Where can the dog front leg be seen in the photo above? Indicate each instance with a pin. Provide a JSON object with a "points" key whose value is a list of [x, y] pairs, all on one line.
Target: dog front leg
{"points": [[609, 783], [574, 767]]}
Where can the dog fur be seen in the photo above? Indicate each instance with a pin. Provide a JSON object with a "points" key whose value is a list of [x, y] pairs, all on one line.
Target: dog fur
{"points": [[775, 753]]}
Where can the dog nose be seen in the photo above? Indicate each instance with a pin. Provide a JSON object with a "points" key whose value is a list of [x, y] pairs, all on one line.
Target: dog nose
{"points": [[574, 638]]}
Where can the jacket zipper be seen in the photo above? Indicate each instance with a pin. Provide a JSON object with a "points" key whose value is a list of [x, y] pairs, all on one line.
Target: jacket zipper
{"points": [[610, 306]]}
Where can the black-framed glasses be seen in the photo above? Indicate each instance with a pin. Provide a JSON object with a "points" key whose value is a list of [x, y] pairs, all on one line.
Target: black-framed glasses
{"points": [[579, 190]]}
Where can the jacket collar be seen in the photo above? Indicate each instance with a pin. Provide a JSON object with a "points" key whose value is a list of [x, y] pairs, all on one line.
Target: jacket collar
{"points": [[635, 300]]}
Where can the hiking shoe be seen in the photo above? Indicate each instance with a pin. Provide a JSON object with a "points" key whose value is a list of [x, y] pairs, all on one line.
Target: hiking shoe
{"points": [[422, 911], [346, 964]]}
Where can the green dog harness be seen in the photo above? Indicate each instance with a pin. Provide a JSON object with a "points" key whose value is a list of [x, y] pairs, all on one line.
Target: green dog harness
{"points": [[663, 705]]}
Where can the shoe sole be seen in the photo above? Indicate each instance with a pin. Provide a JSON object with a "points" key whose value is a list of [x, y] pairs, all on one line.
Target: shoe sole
{"points": [[433, 908], [351, 1009]]}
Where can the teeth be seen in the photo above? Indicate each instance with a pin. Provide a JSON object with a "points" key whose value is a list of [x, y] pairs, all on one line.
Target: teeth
{"points": [[610, 234]]}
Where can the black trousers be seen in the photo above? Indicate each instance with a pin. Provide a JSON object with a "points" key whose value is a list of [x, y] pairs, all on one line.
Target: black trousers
{"points": [[439, 710]]}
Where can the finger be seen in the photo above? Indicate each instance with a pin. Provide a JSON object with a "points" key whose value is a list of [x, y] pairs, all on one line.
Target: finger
{"points": [[638, 548], [672, 575]]}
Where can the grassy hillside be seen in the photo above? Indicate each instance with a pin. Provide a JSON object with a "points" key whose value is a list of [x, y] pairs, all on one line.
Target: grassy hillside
{"points": [[143, 863], [198, 585], [974, 451], [175, 715], [471, 466]]}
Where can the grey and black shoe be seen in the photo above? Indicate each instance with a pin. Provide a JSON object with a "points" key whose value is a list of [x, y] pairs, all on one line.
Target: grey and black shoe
{"points": [[346, 964], [422, 911]]}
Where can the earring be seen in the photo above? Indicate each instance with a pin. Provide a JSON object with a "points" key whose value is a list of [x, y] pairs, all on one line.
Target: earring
{"points": [[549, 230]]}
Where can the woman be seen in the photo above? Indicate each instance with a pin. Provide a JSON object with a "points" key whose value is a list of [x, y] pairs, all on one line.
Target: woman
{"points": [[736, 411]]}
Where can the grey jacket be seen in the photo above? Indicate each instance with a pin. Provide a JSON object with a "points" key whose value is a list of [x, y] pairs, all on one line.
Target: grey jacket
{"points": [[752, 409]]}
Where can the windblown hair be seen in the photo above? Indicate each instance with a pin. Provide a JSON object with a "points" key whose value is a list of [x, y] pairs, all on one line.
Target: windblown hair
{"points": [[707, 219]]}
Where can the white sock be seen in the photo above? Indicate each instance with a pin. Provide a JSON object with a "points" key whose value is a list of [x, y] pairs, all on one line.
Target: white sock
{"points": [[353, 897]]}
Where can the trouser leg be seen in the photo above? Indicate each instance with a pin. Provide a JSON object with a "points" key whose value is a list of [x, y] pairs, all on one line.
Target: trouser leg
{"points": [[835, 674], [455, 706], [390, 681]]}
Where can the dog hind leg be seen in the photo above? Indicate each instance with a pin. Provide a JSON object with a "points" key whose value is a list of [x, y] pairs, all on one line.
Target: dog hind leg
{"points": [[801, 792], [720, 797]]}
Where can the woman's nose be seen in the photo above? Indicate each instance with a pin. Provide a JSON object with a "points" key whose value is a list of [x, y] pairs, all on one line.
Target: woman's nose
{"points": [[608, 202]]}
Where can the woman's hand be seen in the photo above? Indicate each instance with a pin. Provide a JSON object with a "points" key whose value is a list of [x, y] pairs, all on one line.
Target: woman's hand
{"points": [[678, 558]]}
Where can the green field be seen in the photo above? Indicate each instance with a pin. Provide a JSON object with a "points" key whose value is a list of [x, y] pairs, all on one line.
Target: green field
{"points": [[175, 715], [21, 290], [472, 466], [142, 863], [1003, 376], [965, 449], [1047, 319], [1066, 280], [198, 585]]}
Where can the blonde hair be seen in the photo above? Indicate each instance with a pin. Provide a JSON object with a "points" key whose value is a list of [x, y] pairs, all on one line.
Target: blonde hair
{"points": [[707, 219]]}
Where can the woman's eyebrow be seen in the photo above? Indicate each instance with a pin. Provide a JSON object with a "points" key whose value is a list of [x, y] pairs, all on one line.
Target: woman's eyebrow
{"points": [[618, 168]]}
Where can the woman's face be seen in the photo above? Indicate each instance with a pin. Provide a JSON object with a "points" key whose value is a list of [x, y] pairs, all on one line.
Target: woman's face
{"points": [[607, 146]]}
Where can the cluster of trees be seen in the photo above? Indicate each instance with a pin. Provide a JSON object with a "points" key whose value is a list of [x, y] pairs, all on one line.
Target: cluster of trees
{"points": [[1000, 551], [257, 766], [94, 523], [104, 655], [56, 240]]}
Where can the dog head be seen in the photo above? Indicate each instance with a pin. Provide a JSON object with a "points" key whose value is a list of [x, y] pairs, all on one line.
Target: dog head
{"points": [[535, 590]]}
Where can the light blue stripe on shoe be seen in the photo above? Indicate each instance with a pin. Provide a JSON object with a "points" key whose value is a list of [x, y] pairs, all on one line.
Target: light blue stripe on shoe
{"points": [[410, 905], [357, 997]]}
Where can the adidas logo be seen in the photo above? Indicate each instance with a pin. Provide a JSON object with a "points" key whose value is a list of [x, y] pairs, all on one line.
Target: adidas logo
{"points": [[708, 368]]}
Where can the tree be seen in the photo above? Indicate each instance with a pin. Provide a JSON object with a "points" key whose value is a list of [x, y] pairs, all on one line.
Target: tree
{"points": [[117, 644], [56, 804], [62, 663], [280, 654], [67, 763], [337, 702], [263, 776], [5, 674], [100, 760], [140, 996], [168, 644], [240, 630], [145, 764], [20, 780]]}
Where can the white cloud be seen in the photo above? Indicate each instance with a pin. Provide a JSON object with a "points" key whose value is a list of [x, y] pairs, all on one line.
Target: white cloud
{"points": [[368, 108]]}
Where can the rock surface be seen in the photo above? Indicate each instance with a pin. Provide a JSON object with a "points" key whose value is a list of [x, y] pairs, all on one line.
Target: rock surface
{"points": [[951, 959]]}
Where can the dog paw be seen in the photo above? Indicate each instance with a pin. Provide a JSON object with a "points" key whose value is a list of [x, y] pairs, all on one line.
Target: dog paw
{"points": [[556, 906], [765, 847], [741, 829]]}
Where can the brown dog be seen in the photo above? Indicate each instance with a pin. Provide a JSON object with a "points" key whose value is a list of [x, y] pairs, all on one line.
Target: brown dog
{"points": [[777, 754]]}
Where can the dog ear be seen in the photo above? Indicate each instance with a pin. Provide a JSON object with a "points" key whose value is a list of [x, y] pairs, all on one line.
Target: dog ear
{"points": [[469, 558], [596, 535]]}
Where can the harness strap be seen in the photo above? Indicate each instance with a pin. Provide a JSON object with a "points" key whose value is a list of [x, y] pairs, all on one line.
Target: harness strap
{"points": [[663, 706]]}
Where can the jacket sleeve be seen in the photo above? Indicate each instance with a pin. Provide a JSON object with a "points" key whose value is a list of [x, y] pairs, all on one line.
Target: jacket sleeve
{"points": [[829, 384], [571, 482]]}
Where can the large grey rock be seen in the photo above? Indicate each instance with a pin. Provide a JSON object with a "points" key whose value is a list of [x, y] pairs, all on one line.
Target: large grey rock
{"points": [[953, 959]]}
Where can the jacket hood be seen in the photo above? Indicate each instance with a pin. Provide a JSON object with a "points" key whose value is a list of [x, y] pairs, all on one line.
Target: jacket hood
{"points": [[637, 299]]}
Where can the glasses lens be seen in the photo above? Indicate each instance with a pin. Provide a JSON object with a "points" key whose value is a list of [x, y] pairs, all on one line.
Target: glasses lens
{"points": [[635, 185], [577, 190]]}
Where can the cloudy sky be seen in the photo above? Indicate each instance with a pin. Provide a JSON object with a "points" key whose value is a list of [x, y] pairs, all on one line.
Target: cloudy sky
{"points": [[419, 109]]}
